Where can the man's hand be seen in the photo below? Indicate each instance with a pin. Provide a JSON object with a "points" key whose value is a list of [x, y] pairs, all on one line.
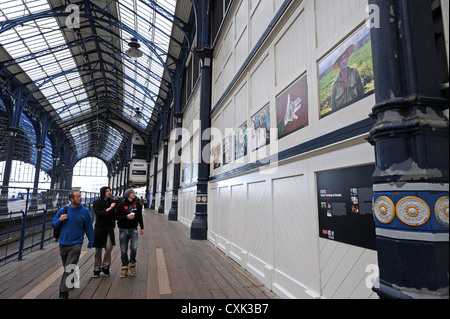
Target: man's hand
{"points": [[111, 207]]}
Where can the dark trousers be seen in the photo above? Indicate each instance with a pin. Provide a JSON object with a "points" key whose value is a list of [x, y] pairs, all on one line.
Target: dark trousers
{"points": [[69, 257]]}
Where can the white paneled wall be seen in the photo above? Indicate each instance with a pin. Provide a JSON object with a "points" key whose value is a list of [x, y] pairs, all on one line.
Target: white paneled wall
{"points": [[334, 15], [261, 13], [260, 243], [186, 205], [224, 219], [295, 39], [238, 235], [268, 224], [291, 225]]}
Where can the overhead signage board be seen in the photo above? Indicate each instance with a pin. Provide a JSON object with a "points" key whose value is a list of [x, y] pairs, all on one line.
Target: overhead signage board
{"points": [[138, 171]]}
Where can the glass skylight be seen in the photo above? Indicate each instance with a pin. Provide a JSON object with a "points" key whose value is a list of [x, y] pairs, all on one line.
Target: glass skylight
{"points": [[157, 30], [114, 141], [80, 135]]}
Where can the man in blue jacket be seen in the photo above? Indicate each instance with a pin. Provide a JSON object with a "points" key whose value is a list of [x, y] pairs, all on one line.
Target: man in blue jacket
{"points": [[74, 225]]}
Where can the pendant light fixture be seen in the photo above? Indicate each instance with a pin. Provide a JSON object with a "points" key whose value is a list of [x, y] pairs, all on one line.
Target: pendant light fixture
{"points": [[134, 52]]}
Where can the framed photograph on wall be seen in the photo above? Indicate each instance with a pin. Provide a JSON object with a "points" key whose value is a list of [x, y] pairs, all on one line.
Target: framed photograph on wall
{"points": [[346, 74], [227, 150], [216, 155], [241, 142], [292, 108], [194, 171], [186, 174], [260, 133]]}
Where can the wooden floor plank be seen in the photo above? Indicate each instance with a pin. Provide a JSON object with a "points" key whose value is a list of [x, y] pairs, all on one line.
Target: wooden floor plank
{"points": [[163, 276], [47, 282], [170, 266], [105, 282]]}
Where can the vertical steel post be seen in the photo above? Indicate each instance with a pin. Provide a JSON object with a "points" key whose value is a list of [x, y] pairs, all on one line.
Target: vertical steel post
{"points": [[162, 202], [155, 181], [12, 133], [173, 213], [24, 225], [165, 142], [37, 169], [199, 226]]}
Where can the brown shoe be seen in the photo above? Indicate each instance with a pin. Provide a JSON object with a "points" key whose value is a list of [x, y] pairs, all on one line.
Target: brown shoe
{"points": [[123, 272], [133, 269]]}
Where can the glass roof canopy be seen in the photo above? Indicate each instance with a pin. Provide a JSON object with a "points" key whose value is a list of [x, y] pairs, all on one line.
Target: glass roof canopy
{"points": [[158, 29], [36, 36], [82, 75]]}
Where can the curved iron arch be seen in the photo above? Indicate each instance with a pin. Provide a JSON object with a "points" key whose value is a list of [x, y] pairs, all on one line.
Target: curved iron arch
{"points": [[93, 156]]}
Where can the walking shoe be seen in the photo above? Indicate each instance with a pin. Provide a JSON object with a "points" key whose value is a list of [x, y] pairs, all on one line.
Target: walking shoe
{"points": [[64, 295], [123, 272], [96, 273], [133, 269], [106, 271]]}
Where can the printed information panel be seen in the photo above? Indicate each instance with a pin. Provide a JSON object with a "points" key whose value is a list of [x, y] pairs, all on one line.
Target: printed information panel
{"points": [[345, 206]]}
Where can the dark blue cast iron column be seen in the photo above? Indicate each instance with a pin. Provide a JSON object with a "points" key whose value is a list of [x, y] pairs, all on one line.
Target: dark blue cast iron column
{"points": [[37, 168], [165, 142], [162, 203], [155, 167], [173, 213], [155, 181], [147, 185], [199, 226], [411, 149], [12, 133], [14, 107], [41, 126]]}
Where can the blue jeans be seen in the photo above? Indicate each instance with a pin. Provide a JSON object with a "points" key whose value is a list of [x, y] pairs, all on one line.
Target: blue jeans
{"points": [[125, 236]]}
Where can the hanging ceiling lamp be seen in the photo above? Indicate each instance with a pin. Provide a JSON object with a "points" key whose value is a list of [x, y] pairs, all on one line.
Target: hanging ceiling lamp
{"points": [[138, 114], [133, 51]]}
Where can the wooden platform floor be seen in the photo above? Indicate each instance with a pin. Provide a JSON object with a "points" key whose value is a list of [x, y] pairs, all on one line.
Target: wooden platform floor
{"points": [[170, 266]]}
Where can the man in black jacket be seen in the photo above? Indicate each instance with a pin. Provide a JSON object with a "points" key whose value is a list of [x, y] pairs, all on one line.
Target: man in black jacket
{"points": [[129, 215], [105, 223]]}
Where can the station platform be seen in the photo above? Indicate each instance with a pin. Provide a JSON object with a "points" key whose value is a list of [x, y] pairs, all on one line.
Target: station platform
{"points": [[169, 266]]}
